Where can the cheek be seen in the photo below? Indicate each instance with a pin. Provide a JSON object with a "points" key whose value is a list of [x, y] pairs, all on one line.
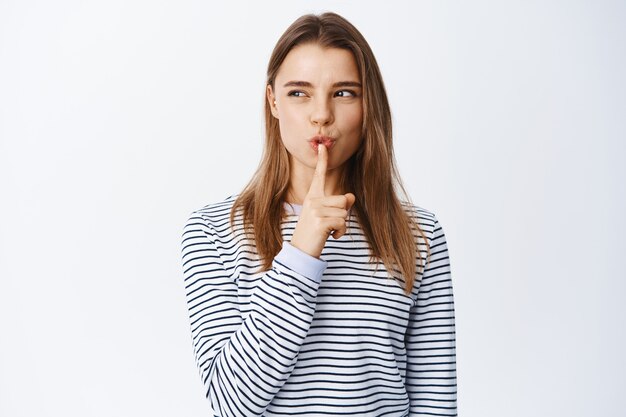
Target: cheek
{"points": [[289, 122], [290, 133], [353, 119]]}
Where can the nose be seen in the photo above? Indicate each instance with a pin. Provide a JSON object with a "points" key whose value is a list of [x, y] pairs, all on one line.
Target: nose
{"points": [[322, 112]]}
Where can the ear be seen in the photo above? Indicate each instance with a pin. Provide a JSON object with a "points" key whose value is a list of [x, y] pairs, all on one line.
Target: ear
{"points": [[272, 101]]}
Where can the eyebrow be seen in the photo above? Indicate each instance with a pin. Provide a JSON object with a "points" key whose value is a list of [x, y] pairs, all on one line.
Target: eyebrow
{"points": [[337, 84]]}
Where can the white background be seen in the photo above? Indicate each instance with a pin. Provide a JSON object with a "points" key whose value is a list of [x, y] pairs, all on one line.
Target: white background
{"points": [[118, 118]]}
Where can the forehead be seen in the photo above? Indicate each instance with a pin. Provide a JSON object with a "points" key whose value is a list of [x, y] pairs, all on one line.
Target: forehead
{"points": [[318, 65]]}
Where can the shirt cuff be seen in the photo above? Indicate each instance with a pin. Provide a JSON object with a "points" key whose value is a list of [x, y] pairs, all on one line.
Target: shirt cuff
{"points": [[301, 262]]}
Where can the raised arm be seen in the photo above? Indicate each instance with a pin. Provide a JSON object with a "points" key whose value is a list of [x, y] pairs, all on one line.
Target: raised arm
{"points": [[244, 363], [430, 339]]}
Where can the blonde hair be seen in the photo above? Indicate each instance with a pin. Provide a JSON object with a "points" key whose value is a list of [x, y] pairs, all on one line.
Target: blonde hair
{"points": [[370, 174]]}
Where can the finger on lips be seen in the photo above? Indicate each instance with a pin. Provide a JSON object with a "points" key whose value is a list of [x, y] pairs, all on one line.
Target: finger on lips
{"points": [[319, 178]]}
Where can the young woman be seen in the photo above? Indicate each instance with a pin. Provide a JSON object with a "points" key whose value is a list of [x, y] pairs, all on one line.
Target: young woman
{"points": [[316, 291]]}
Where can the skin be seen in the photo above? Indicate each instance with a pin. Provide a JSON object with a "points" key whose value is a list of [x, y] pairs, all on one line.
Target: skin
{"points": [[303, 112]]}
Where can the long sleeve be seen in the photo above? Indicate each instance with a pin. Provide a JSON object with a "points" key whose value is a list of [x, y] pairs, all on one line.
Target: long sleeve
{"points": [[430, 339], [243, 363]]}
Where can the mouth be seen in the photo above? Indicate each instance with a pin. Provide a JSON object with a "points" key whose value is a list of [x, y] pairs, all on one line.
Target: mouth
{"points": [[327, 141]]}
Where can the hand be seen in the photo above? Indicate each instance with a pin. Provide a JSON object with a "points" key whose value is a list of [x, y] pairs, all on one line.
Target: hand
{"points": [[321, 215]]}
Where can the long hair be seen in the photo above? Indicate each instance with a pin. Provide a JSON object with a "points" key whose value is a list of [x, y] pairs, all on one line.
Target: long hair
{"points": [[370, 174]]}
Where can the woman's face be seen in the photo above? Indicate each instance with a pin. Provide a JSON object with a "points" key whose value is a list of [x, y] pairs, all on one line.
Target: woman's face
{"points": [[310, 101]]}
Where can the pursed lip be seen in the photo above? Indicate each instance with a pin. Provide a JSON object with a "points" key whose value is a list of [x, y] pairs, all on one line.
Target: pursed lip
{"points": [[326, 141], [321, 138]]}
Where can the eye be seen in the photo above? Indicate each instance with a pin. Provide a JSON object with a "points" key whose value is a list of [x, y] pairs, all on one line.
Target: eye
{"points": [[349, 91], [291, 93]]}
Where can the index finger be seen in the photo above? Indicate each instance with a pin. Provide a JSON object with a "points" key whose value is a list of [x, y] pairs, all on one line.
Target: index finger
{"points": [[319, 177]]}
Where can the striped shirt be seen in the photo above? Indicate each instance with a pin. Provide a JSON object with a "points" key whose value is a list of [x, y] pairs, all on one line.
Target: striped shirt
{"points": [[313, 337]]}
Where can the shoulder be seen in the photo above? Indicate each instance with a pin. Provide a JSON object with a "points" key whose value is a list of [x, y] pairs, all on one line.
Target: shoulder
{"points": [[216, 208], [213, 215], [423, 216], [427, 221]]}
